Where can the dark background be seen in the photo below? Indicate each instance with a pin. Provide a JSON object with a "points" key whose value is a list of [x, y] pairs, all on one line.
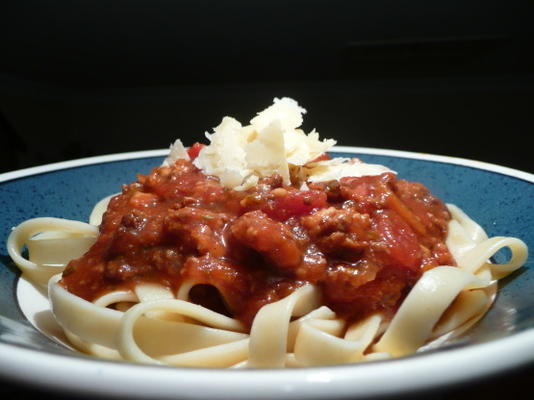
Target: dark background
{"points": [[82, 78]]}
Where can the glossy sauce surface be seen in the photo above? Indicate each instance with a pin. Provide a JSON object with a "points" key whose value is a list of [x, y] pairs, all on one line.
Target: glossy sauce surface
{"points": [[363, 241]]}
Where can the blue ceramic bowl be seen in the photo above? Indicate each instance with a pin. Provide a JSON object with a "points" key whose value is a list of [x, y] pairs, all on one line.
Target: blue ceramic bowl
{"points": [[498, 198]]}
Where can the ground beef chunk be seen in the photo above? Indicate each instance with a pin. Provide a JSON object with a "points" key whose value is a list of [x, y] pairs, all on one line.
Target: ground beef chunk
{"points": [[197, 229], [340, 232], [272, 239]]}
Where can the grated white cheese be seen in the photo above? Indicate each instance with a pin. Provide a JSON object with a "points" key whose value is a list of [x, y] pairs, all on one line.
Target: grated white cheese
{"points": [[285, 110], [266, 153], [338, 168], [240, 155], [177, 151], [271, 144], [225, 157]]}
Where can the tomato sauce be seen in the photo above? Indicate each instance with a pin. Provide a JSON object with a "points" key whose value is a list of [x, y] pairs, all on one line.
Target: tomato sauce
{"points": [[363, 241]]}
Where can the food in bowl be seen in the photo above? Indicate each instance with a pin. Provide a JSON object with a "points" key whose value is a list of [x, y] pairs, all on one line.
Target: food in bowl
{"points": [[259, 250]]}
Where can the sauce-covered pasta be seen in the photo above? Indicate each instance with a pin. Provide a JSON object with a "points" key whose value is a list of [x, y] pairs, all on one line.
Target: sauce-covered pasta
{"points": [[259, 250]]}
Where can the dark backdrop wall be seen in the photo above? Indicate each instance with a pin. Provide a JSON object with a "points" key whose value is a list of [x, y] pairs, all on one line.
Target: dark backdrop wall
{"points": [[88, 77], [82, 78]]}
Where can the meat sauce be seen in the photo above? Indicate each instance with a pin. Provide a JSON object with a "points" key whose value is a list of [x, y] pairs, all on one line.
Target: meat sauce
{"points": [[363, 241]]}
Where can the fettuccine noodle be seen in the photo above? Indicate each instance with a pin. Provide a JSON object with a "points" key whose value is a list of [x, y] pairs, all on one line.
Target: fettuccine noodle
{"points": [[296, 331]]}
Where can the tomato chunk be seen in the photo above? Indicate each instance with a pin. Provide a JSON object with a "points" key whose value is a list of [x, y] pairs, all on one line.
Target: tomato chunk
{"points": [[401, 241], [194, 150], [295, 204]]}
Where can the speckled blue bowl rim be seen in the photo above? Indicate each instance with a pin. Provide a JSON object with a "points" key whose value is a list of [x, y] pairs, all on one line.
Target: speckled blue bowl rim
{"points": [[499, 198]]}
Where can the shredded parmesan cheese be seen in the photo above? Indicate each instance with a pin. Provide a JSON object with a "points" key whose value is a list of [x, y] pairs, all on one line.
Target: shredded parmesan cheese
{"points": [[285, 110], [177, 151], [338, 168], [225, 157], [273, 143], [266, 154]]}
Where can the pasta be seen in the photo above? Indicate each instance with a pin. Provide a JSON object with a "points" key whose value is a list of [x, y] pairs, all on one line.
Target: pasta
{"points": [[297, 325]]}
